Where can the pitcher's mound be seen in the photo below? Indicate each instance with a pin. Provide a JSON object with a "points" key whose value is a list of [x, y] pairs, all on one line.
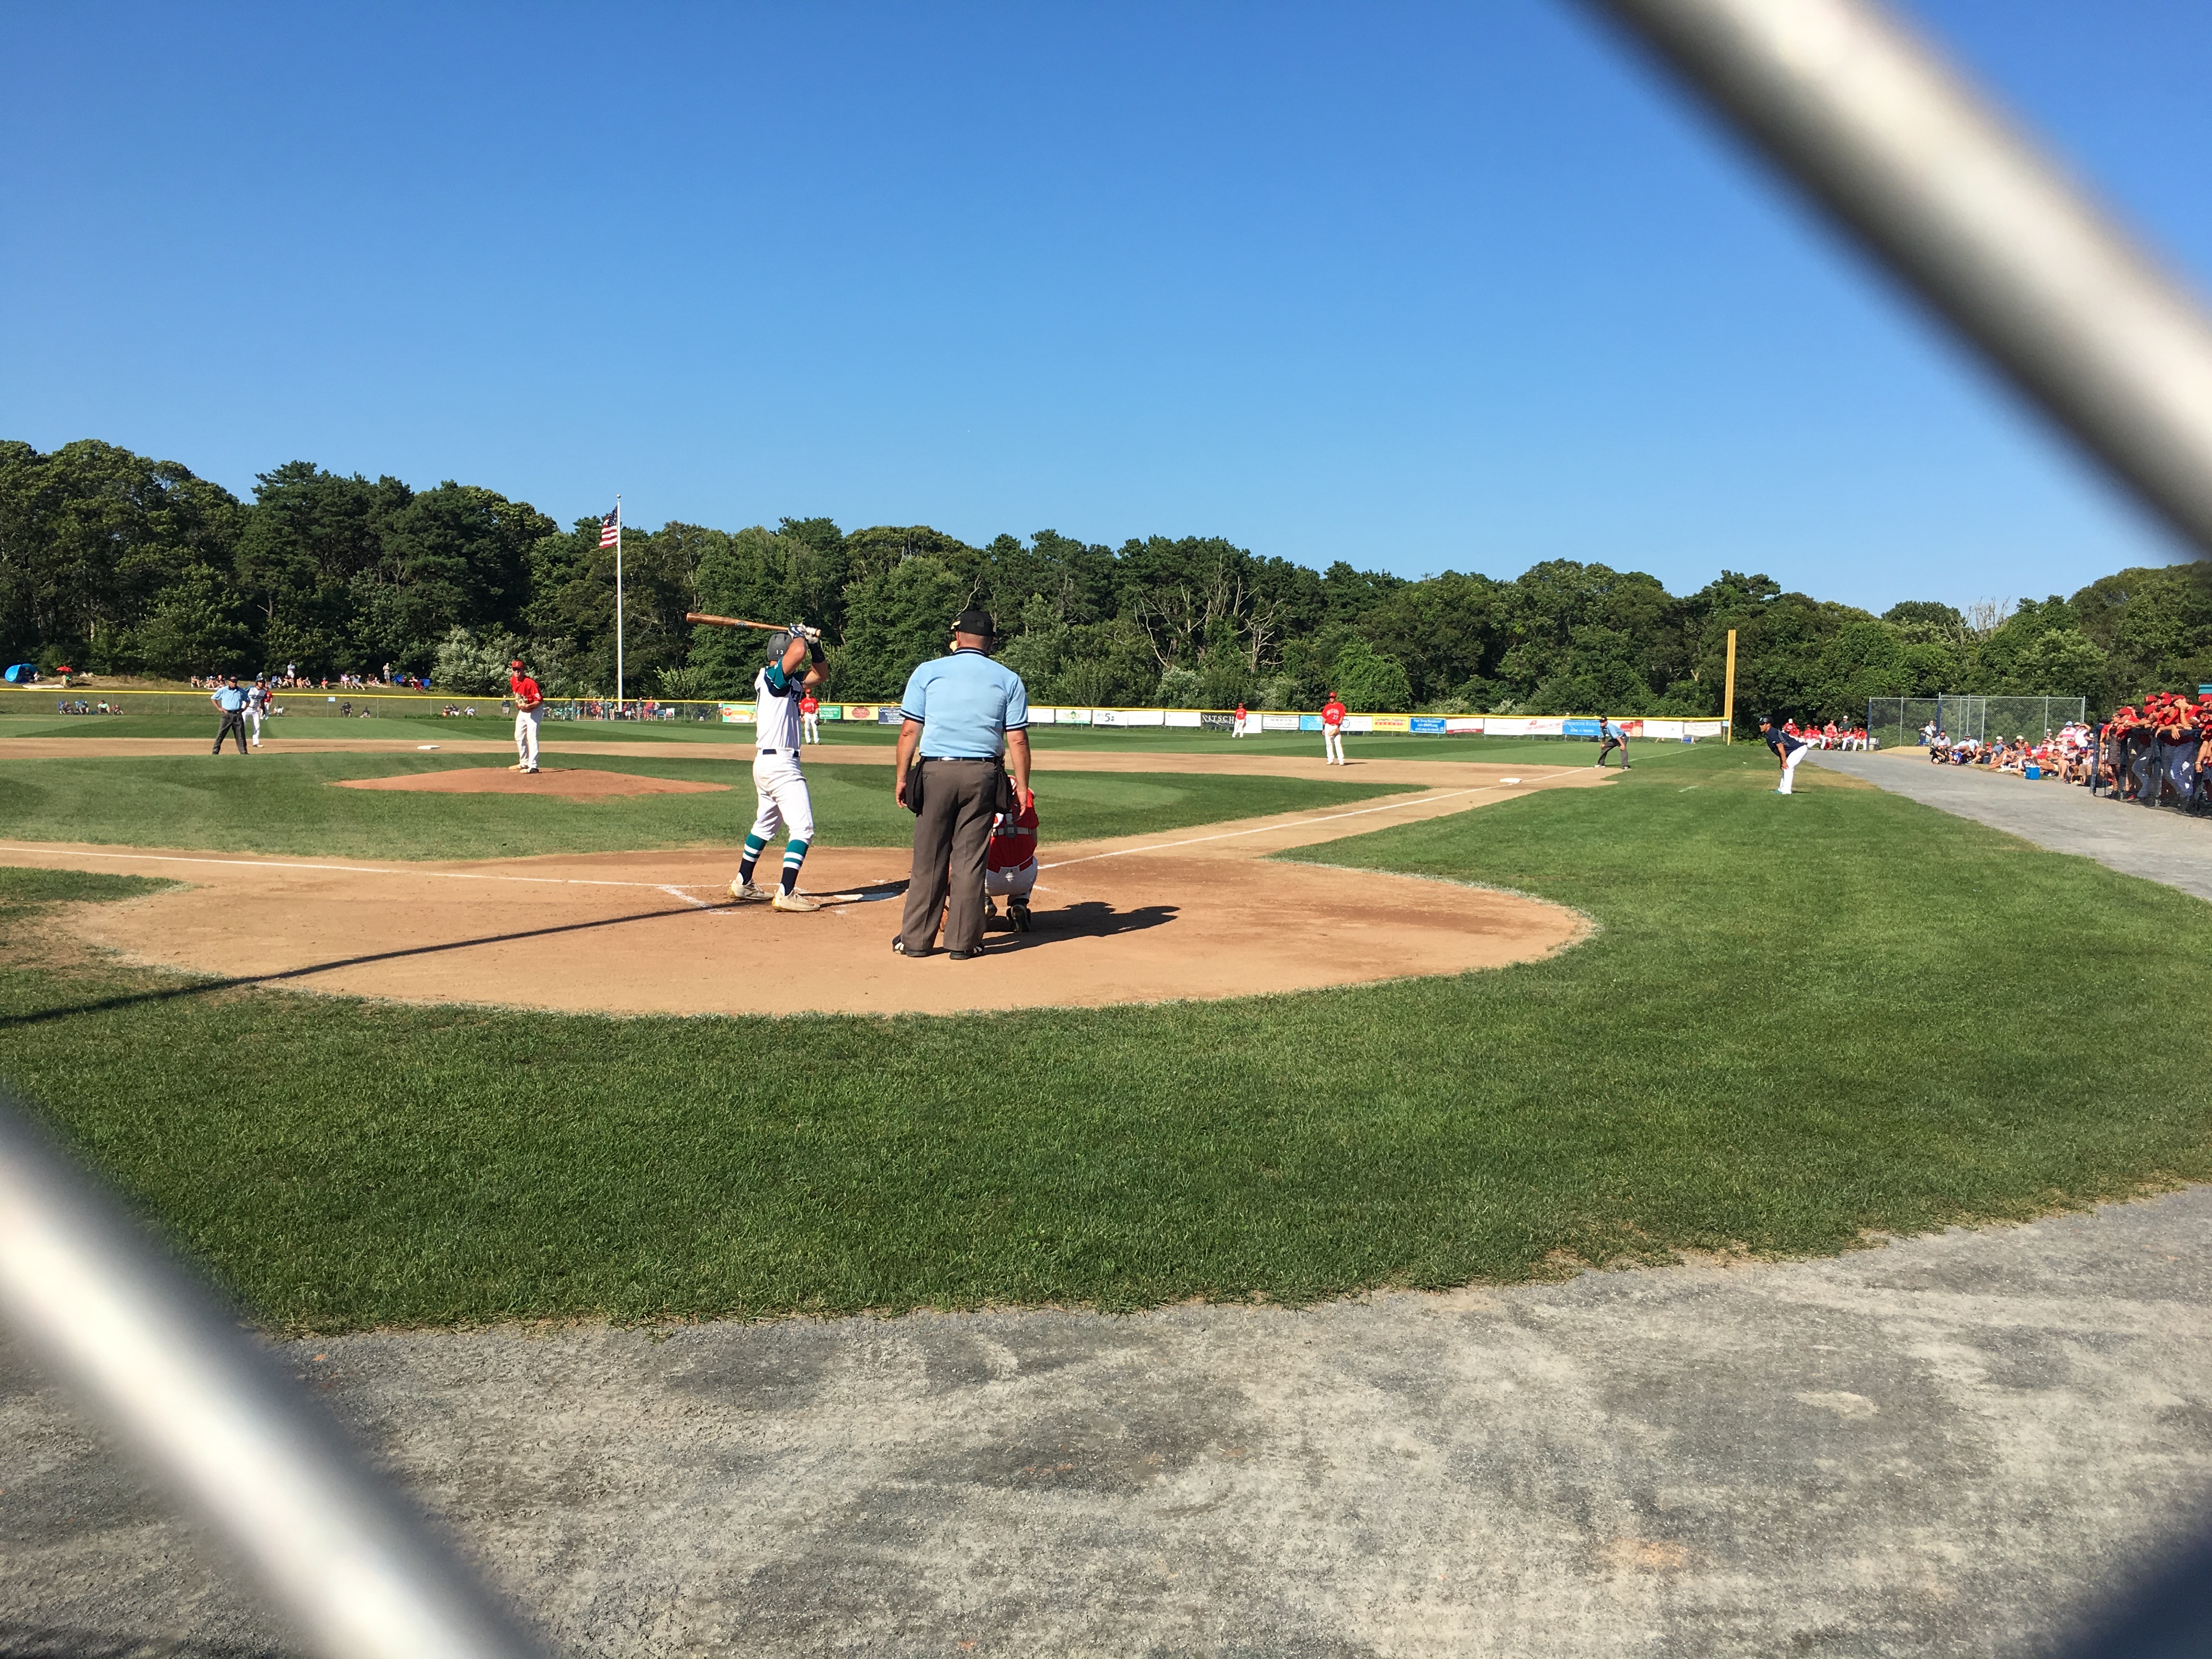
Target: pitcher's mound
{"points": [[578, 784]]}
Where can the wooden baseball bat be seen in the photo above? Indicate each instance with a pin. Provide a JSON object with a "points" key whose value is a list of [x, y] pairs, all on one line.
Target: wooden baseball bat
{"points": [[733, 622]]}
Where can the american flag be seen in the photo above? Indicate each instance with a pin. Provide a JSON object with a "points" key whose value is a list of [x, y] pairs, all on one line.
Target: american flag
{"points": [[610, 527]]}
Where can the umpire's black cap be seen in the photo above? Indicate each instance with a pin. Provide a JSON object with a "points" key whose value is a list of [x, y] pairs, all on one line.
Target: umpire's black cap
{"points": [[976, 621]]}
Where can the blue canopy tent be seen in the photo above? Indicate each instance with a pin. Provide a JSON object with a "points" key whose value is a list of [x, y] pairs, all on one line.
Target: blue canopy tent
{"points": [[21, 674]]}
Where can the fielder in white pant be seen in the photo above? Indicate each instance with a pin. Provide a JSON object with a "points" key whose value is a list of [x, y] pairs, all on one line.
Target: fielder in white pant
{"points": [[529, 708], [256, 705], [779, 786], [1787, 751], [1332, 731]]}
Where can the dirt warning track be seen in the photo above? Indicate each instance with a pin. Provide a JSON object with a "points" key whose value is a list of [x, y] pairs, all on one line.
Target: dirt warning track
{"points": [[1199, 912]]}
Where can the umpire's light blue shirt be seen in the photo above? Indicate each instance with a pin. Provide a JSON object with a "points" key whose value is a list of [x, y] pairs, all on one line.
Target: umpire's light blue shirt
{"points": [[966, 704], [230, 699]]}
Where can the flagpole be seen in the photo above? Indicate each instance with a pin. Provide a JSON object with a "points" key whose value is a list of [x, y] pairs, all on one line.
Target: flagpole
{"points": [[618, 610]]}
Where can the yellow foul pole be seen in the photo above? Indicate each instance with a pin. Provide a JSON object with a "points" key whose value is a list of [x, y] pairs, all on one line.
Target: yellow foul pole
{"points": [[1728, 695]]}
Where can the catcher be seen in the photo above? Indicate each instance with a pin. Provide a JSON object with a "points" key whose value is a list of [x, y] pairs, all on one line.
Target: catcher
{"points": [[779, 784], [1009, 867]]}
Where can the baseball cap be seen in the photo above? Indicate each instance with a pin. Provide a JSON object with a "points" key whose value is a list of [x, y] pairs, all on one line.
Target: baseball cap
{"points": [[517, 663], [974, 621]]}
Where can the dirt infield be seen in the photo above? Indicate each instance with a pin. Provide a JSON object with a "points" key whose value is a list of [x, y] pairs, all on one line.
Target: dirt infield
{"points": [[569, 783], [1195, 914]]}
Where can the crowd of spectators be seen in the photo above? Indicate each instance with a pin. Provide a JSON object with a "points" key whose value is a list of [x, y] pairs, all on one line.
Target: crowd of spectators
{"points": [[2158, 755], [292, 680]]}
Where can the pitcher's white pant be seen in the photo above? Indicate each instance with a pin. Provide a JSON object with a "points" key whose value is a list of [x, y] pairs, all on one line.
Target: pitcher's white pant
{"points": [[1237, 724], [1790, 768], [526, 736], [810, 728], [781, 787], [1013, 883], [1332, 744]]}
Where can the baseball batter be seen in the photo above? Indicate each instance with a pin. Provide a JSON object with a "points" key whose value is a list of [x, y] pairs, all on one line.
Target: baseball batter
{"points": [[778, 784], [1009, 865], [1331, 731], [529, 709]]}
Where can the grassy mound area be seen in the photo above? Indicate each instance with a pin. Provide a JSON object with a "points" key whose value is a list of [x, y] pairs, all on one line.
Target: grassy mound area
{"points": [[279, 802], [1804, 1018]]}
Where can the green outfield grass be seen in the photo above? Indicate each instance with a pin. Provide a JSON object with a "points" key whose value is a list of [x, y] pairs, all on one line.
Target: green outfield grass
{"points": [[1804, 1018], [1510, 751], [276, 803]]}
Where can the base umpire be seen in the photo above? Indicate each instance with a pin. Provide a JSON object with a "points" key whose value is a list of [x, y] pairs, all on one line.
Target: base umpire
{"points": [[966, 726]]}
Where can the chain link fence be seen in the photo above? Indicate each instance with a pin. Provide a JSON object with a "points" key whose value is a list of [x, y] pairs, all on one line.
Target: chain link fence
{"points": [[1897, 722]]}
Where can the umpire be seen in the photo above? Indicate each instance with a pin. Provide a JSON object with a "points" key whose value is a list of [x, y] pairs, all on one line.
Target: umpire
{"points": [[963, 712], [232, 701]]}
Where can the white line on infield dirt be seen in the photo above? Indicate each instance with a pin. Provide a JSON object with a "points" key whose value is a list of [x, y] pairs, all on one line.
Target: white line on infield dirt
{"points": [[1299, 823]]}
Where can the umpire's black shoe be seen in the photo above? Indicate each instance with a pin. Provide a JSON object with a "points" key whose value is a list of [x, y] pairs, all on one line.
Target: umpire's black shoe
{"points": [[964, 955]]}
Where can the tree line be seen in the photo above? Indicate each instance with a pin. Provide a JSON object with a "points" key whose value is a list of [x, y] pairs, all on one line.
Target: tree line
{"points": [[114, 562]]}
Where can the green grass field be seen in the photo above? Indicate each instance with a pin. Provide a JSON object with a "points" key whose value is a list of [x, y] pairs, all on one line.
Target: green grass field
{"points": [[277, 803], [1803, 1019], [1510, 751]]}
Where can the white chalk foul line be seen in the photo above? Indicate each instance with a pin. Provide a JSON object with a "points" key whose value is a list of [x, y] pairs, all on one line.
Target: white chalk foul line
{"points": [[1299, 823]]}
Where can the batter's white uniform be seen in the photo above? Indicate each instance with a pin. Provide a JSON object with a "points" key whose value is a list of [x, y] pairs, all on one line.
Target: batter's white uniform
{"points": [[256, 701], [778, 783]]}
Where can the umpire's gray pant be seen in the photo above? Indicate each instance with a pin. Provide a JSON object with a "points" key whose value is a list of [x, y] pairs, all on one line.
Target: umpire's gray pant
{"points": [[959, 799]]}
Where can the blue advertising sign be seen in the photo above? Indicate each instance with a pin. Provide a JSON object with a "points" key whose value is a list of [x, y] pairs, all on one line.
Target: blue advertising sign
{"points": [[1430, 723], [1580, 728]]}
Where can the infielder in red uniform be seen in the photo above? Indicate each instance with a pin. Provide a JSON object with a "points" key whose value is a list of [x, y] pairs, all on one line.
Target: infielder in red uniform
{"points": [[529, 705], [1331, 731], [1009, 865], [810, 725]]}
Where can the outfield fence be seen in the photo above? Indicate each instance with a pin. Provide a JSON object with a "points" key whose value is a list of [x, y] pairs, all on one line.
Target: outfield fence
{"points": [[92, 701], [1897, 722]]}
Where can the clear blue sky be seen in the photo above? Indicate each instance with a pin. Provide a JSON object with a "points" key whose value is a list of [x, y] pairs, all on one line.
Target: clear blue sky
{"points": [[1414, 286]]}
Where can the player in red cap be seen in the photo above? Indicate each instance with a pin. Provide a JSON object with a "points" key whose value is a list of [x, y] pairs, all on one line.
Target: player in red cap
{"points": [[1331, 731], [529, 703]]}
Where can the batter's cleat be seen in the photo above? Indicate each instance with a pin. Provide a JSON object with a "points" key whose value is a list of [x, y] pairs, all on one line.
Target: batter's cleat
{"points": [[1019, 915], [794, 900], [746, 893]]}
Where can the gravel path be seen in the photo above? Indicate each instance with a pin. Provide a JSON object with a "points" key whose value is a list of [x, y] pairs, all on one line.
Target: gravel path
{"points": [[2158, 844], [1948, 1446]]}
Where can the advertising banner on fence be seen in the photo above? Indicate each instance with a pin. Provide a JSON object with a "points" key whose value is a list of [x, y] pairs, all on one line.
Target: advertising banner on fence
{"points": [[1426, 725], [1129, 717], [1463, 725], [1280, 722], [1185, 717], [1072, 716], [887, 713], [1522, 726], [859, 711], [1308, 722], [833, 711], [736, 714], [1358, 723], [1578, 728], [1389, 722]]}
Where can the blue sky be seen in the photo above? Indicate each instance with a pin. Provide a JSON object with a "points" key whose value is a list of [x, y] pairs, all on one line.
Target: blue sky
{"points": [[1414, 286]]}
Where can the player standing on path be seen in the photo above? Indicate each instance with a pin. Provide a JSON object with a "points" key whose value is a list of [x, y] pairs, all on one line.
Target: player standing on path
{"points": [[1610, 737], [257, 704], [810, 723], [778, 784], [529, 709], [1331, 731], [232, 701], [1787, 751]]}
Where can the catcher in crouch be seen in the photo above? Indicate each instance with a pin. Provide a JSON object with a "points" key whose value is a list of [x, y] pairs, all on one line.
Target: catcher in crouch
{"points": [[1009, 867], [777, 780]]}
